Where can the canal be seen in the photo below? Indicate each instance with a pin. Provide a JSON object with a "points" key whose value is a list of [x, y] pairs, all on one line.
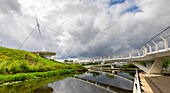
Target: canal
{"points": [[88, 82]]}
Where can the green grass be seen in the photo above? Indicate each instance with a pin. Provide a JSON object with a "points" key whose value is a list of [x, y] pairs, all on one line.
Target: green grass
{"points": [[14, 61], [20, 65], [30, 85], [11, 55], [26, 76]]}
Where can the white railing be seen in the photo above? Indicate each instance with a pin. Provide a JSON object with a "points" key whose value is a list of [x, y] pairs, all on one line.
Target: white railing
{"points": [[138, 85], [150, 47]]}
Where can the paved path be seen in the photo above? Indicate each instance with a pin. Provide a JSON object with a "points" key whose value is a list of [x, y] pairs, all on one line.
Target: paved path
{"points": [[159, 84]]}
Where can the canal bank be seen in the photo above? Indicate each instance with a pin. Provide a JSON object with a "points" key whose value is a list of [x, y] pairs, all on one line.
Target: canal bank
{"points": [[89, 82]]}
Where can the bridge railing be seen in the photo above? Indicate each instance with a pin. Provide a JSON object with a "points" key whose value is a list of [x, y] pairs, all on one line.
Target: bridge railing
{"points": [[159, 43], [138, 84]]}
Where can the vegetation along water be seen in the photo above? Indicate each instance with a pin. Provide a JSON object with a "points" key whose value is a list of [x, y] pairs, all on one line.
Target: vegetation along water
{"points": [[19, 65]]}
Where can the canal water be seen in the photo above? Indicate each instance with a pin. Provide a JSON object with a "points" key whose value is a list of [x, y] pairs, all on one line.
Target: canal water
{"points": [[89, 82]]}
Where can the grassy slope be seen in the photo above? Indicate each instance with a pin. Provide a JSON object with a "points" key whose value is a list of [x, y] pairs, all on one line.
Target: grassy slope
{"points": [[14, 61]]}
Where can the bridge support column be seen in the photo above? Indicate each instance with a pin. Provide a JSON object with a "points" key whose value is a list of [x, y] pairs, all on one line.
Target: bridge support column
{"points": [[150, 68], [148, 64], [157, 66], [113, 71], [145, 69], [112, 66]]}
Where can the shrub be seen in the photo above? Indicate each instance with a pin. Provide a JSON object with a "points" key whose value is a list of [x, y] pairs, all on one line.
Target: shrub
{"points": [[41, 68], [129, 65], [32, 68], [3, 68], [24, 67], [48, 68], [166, 63], [14, 68], [26, 56]]}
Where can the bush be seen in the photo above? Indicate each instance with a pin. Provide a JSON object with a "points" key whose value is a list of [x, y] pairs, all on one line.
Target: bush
{"points": [[24, 67], [166, 63], [48, 68], [3, 68], [129, 65], [41, 68], [14, 68], [32, 68]]}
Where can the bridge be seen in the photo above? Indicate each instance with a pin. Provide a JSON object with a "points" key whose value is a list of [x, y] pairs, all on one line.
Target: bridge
{"points": [[153, 53], [111, 64], [156, 49]]}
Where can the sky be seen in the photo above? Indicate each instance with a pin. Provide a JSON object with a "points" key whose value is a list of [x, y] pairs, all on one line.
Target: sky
{"points": [[82, 28]]}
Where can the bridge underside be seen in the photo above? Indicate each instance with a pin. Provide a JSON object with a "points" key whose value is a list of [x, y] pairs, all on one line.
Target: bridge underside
{"points": [[150, 57], [45, 54], [150, 67]]}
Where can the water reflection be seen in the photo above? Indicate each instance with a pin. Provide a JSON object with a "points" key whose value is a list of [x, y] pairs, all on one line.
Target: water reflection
{"points": [[68, 85], [43, 89], [109, 80], [74, 86], [128, 74]]}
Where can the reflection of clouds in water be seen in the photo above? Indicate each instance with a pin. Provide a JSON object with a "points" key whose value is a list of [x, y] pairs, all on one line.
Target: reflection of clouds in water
{"points": [[84, 75], [125, 75], [117, 81], [73, 86]]}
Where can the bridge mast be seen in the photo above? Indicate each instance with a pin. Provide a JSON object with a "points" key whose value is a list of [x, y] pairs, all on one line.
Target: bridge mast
{"points": [[42, 43]]}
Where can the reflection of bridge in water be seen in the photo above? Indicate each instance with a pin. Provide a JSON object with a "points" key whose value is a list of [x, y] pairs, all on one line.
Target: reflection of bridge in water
{"points": [[113, 74], [109, 88]]}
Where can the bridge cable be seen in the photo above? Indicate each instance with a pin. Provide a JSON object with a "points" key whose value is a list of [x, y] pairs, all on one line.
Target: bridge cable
{"points": [[27, 37], [156, 35], [63, 35], [63, 43], [66, 44], [77, 40]]}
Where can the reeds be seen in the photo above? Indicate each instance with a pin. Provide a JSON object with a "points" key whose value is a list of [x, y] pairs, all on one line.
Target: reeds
{"points": [[25, 76]]}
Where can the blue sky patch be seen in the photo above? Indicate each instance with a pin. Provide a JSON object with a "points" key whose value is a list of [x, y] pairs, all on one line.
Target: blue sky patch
{"points": [[132, 9], [113, 2]]}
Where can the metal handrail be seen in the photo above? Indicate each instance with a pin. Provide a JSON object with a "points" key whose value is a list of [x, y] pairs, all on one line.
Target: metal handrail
{"points": [[156, 35], [138, 87]]}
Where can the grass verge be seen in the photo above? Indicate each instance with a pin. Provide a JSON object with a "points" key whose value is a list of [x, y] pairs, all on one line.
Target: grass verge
{"points": [[25, 76]]}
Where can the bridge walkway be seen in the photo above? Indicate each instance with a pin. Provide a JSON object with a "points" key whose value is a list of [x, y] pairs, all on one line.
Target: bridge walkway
{"points": [[155, 83]]}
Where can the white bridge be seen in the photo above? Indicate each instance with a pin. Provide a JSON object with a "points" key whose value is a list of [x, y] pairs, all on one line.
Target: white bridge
{"points": [[156, 49]]}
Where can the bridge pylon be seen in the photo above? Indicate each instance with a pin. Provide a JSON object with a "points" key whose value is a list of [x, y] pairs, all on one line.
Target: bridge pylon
{"points": [[155, 68]]}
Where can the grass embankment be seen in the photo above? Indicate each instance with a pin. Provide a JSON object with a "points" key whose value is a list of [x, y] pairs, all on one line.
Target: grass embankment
{"points": [[30, 85], [20, 65], [25, 76]]}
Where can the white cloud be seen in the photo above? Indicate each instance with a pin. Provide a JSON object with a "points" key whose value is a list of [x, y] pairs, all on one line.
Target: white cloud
{"points": [[83, 28]]}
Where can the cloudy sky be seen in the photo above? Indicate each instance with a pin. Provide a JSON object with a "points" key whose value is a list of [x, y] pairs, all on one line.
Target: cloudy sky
{"points": [[82, 28]]}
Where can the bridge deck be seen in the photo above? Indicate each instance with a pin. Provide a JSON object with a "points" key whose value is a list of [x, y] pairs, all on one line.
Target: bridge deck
{"points": [[158, 84]]}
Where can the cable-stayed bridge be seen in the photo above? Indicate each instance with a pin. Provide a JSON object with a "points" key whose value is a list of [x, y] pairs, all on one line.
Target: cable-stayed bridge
{"points": [[156, 49]]}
